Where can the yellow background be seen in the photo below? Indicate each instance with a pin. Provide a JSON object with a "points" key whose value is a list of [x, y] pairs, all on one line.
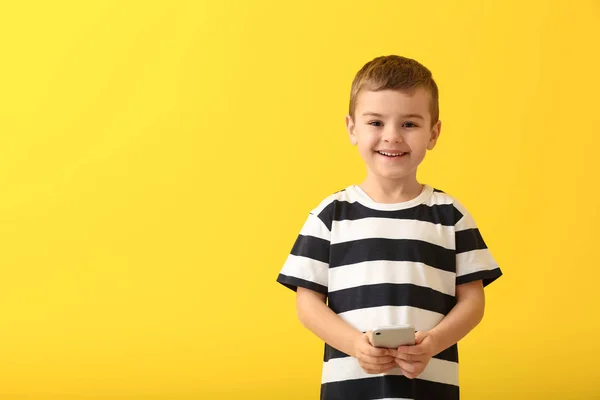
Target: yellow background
{"points": [[157, 160]]}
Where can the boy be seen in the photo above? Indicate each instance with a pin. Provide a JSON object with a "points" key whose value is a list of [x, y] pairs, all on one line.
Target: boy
{"points": [[390, 251]]}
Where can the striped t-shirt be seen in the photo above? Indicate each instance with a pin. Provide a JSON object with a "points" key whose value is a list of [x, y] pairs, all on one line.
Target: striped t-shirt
{"points": [[388, 264]]}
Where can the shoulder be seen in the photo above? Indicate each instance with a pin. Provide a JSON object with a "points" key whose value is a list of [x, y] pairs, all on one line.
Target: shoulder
{"points": [[329, 201], [325, 208], [442, 198]]}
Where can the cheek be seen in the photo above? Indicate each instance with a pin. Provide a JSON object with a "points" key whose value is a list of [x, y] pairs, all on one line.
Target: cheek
{"points": [[363, 142], [419, 142], [365, 151], [369, 141]]}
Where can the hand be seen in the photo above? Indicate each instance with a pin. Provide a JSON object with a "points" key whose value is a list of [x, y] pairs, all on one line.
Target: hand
{"points": [[412, 360], [371, 359]]}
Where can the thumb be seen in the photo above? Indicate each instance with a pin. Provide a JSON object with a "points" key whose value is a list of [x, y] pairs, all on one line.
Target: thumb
{"points": [[420, 336], [369, 336]]}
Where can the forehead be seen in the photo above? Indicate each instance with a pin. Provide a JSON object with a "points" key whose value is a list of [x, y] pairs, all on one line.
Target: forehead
{"points": [[394, 102]]}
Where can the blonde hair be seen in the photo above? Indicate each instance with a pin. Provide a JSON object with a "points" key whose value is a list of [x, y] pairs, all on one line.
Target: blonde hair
{"points": [[396, 73]]}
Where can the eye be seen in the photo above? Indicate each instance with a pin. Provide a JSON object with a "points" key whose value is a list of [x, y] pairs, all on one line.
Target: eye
{"points": [[409, 124], [375, 123]]}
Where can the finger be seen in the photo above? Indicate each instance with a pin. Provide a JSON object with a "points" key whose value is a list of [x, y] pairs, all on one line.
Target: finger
{"points": [[405, 357], [409, 375], [375, 360], [417, 350], [410, 368], [389, 366], [369, 368], [420, 336], [412, 358], [367, 352], [367, 346], [377, 368], [404, 365], [369, 335], [368, 349]]}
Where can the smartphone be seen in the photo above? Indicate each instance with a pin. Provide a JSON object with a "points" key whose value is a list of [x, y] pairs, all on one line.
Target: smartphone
{"points": [[392, 337]]}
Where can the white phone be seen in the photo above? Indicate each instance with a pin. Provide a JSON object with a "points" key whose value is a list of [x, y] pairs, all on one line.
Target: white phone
{"points": [[392, 337]]}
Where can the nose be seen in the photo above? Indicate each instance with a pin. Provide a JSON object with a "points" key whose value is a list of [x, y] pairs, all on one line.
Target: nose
{"points": [[392, 135]]}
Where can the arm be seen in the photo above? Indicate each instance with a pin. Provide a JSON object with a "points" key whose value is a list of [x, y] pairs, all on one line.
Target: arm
{"points": [[318, 318], [466, 315], [323, 322]]}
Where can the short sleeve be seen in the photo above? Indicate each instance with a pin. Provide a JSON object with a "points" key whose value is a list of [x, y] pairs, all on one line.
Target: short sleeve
{"points": [[307, 265], [474, 261]]}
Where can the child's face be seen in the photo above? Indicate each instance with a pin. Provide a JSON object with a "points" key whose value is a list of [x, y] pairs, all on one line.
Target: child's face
{"points": [[395, 123]]}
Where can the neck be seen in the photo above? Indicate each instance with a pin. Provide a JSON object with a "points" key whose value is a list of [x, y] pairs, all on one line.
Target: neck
{"points": [[384, 190]]}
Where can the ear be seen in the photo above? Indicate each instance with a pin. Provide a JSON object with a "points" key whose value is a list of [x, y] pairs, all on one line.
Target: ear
{"points": [[350, 128], [435, 134]]}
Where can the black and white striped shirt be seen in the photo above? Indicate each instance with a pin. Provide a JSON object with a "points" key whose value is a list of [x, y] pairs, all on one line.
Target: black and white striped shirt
{"points": [[388, 264]]}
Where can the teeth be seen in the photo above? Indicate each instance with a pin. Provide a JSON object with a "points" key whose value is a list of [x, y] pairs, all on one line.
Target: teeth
{"points": [[390, 154]]}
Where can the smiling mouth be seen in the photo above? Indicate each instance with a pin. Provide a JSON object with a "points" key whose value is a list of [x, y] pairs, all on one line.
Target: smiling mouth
{"points": [[392, 155]]}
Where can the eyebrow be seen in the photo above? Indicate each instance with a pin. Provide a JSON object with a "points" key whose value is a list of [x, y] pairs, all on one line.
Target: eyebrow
{"points": [[374, 114]]}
